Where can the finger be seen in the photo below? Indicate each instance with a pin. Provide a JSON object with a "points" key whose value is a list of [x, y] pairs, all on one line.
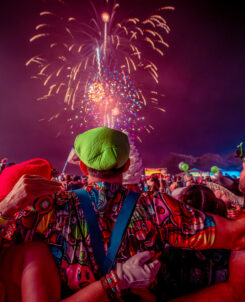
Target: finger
{"points": [[155, 265], [143, 257], [30, 175], [29, 185], [152, 269], [39, 189], [41, 180], [35, 177]]}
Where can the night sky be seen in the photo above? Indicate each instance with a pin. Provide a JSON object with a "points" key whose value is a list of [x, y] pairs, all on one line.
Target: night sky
{"points": [[201, 75]]}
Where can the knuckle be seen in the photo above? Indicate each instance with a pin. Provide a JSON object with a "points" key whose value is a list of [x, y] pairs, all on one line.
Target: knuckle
{"points": [[25, 187], [24, 178]]}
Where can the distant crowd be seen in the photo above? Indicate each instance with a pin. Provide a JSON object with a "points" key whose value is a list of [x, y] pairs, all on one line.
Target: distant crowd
{"points": [[193, 258], [225, 188]]}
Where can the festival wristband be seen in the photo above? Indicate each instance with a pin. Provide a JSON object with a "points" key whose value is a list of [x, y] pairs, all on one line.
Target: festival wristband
{"points": [[110, 284], [5, 219]]}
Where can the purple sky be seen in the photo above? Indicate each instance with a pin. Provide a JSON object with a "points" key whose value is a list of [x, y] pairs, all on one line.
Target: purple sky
{"points": [[202, 76]]}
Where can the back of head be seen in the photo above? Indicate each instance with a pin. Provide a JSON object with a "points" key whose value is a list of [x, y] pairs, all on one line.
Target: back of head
{"points": [[103, 150], [179, 178], [155, 183], [68, 177], [4, 160], [202, 198], [77, 178]]}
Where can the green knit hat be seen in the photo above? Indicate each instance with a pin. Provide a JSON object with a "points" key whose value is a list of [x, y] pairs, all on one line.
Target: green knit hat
{"points": [[102, 148]]}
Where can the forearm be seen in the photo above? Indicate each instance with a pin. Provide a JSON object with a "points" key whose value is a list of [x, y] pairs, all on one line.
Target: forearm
{"points": [[6, 208], [91, 293], [221, 292], [229, 234], [137, 272]]}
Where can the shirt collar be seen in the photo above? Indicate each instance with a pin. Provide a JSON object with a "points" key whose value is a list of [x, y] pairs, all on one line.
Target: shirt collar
{"points": [[107, 185]]}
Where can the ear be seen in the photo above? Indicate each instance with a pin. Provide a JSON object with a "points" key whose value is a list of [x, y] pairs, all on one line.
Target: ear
{"points": [[83, 168], [126, 166]]}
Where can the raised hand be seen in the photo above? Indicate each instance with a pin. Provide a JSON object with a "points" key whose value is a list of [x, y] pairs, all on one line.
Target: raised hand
{"points": [[25, 191]]}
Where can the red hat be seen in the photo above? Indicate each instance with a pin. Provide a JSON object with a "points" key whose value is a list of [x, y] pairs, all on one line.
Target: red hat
{"points": [[10, 176]]}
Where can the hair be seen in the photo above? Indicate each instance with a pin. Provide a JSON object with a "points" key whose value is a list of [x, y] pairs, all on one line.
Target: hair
{"points": [[76, 178], [156, 183], [106, 174], [202, 198], [68, 177]]}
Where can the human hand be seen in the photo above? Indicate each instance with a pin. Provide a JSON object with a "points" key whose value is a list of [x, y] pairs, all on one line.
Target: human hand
{"points": [[25, 191], [137, 271]]}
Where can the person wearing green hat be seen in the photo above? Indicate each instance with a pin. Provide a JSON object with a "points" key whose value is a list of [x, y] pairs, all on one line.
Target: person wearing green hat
{"points": [[105, 235], [102, 149]]}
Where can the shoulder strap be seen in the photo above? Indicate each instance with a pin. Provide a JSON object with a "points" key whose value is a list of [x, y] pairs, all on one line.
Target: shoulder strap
{"points": [[104, 261], [93, 228], [120, 227]]}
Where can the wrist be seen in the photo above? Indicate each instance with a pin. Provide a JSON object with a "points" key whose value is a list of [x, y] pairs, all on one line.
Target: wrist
{"points": [[5, 219], [6, 211], [110, 283]]}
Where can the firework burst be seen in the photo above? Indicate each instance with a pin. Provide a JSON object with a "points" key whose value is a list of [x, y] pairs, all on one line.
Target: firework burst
{"points": [[94, 66]]}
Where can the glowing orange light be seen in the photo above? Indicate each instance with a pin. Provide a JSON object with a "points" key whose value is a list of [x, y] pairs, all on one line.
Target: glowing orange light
{"points": [[105, 17]]}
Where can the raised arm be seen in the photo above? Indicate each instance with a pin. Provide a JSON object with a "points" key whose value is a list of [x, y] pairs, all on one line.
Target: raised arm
{"points": [[25, 191]]}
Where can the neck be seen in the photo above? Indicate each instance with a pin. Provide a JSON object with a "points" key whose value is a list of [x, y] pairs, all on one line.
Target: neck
{"points": [[114, 180]]}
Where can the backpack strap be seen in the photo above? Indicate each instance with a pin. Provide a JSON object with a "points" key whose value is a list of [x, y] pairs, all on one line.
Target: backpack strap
{"points": [[106, 262]]}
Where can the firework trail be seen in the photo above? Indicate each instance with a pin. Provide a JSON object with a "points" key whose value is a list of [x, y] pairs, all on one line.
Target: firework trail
{"points": [[94, 66]]}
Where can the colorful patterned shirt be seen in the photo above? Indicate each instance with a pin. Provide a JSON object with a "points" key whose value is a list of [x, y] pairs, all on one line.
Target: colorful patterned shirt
{"points": [[157, 219]]}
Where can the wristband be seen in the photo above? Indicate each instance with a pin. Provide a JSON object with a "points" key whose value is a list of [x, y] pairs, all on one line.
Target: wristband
{"points": [[110, 284], [5, 219]]}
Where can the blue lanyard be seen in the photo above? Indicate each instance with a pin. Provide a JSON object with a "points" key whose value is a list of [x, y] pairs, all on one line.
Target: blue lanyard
{"points": [[106, 261]]}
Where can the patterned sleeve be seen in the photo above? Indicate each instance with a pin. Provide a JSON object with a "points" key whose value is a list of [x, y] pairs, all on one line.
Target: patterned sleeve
{"points": [[181, 225], [23, 227], [5, 228]]}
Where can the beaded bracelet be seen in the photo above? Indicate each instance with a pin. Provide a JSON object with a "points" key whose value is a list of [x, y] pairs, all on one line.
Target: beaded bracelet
{"points": [[5, 219], [110, 284]]}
